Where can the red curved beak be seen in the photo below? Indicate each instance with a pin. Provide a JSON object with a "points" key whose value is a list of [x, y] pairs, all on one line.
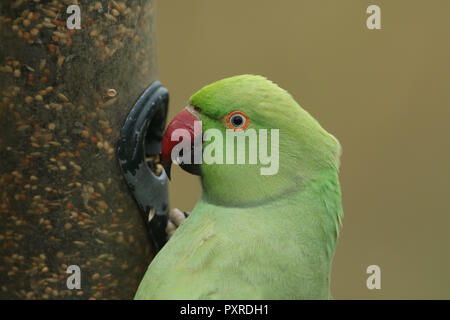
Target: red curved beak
{"points": [[184, 120]]}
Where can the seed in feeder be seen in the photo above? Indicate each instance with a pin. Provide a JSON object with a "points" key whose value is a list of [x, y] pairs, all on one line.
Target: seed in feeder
{"points": [[101, 186], [49, 13], [51, 126], [16, 63], [28, 99], [85, 134], [121, 6], [42, 64], [48, 24], [63, 97], [17, 73], [95, 276], [26, 23], [60, 34], [111, 93], [98, 5], [159, 169], [68, 226], [151, 214], [39, 98], [34, 32], [94, 33], [60, 61]]}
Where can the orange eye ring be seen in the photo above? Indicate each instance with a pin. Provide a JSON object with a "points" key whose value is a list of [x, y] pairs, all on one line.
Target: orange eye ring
{"points": [[237, 120]]}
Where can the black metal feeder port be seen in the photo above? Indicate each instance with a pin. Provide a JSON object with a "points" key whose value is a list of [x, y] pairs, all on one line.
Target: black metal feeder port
{"points": [[138, 152]]}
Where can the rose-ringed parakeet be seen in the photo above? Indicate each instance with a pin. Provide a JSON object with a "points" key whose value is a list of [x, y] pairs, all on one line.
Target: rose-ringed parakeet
{"points": [[253, 235]]}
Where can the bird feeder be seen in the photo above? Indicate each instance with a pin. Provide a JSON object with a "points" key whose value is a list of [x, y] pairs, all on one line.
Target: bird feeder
{"points": [[65, 100]]}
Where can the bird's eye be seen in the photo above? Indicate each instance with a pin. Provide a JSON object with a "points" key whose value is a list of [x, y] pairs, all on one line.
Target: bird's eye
{"points": [[237, 120]]}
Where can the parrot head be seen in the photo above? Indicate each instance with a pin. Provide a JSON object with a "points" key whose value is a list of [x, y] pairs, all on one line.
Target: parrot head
{"points": [[290, 146]]}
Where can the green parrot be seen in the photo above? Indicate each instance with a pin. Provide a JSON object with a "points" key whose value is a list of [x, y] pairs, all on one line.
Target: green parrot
{"points": [[253, 235]]}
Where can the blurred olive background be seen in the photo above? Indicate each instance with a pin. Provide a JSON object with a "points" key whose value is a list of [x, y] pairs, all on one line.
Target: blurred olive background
{"points": [[383, 93]]}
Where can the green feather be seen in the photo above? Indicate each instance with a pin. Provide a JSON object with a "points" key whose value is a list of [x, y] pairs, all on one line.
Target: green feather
{"points": [[253, 236]]}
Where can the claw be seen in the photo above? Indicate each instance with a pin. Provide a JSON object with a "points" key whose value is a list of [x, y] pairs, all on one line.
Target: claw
{"points": [[176, 218], [170, 229]]}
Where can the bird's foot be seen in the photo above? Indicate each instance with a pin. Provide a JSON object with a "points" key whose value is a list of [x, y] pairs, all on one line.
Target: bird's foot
{"points": [[176, 218]]}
